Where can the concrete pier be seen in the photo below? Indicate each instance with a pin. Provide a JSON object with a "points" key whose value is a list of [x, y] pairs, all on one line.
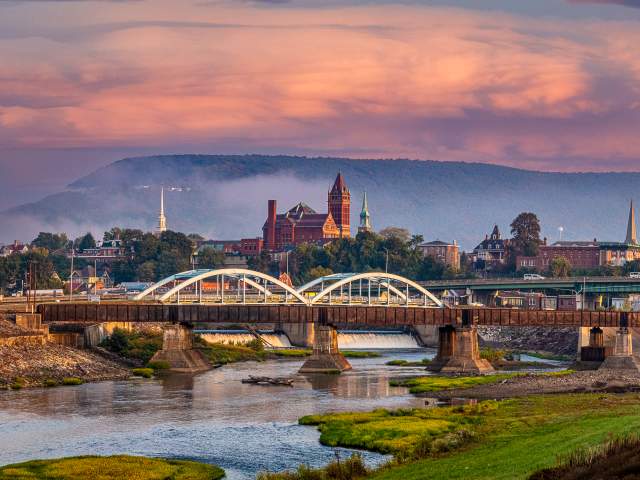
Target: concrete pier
{"points": [[458, 351], [622, 357], [326, 357], [178, 351]]}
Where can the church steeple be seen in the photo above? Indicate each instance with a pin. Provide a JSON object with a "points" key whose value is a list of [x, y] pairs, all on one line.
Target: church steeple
{"points": [[365, 218], [162, 220], [340, 206], [631, 226]]}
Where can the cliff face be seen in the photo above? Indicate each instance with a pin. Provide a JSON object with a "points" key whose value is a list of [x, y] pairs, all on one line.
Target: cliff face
{"points": [[226, 196]]}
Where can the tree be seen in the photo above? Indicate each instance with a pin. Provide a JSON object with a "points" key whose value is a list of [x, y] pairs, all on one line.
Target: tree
{"points": [[209, 257], [317, 272], [560, 267], [51, 241], [400, 233], [85, 242], [525, 230]]}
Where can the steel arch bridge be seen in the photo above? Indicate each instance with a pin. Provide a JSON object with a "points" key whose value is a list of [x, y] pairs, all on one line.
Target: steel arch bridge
{"points": [[237, 285]]}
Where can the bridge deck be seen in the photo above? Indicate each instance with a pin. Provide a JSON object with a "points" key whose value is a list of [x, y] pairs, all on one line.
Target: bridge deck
{"points": [[338, 315]]}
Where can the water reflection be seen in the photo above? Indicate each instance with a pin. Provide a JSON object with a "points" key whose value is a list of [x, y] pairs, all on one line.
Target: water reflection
{"points": [[211, 417]]}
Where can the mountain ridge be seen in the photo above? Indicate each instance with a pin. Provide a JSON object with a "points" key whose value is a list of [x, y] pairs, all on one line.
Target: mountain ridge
{"points": [[224, 196]]}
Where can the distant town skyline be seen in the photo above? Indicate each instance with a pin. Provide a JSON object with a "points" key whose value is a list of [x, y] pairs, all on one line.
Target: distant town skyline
{"points": [[548, 85]]}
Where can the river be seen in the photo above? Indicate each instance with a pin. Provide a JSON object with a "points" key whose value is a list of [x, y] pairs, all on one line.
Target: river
{"points": [[211, 417]]}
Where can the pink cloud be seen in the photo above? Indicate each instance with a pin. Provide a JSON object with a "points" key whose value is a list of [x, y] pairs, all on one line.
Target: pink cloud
{"points": [[409, 81]]}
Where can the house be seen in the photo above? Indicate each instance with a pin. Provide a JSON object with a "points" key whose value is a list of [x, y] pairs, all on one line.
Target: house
{"points": [[444, 252], [492, 251], [15, 247]]}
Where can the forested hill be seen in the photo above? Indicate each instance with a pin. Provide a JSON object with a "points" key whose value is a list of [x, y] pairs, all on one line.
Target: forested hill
{"points": [[225, 196]]}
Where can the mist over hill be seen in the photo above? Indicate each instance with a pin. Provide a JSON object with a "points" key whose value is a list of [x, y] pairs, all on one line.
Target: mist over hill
{"points": [[222, 196]]}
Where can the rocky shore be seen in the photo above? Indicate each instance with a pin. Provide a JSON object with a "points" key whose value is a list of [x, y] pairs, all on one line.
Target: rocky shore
{"points": [[27, 364], [593, 381]]}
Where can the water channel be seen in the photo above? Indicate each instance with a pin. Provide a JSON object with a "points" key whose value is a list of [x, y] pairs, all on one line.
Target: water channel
{"points": [[211, 417]]}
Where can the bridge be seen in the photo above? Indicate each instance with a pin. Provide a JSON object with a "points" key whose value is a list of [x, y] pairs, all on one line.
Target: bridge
{"points": [[250, 287], [590, 285], [310, 315]]}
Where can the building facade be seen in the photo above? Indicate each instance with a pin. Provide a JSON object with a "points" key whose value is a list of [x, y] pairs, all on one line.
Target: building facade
{"points": [[492, 251], [447, 253], [588, 254], [302, 224]]}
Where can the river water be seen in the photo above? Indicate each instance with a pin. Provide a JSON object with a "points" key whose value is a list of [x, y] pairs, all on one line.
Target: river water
{"points": [[211, 417]]}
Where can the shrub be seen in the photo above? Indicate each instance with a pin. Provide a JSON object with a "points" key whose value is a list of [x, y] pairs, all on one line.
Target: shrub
{"points": [[50, 382], [353, 468], [18, 383], [256, 344], [159, 365], [136, 345], [493, 354], [143, 372], [72, 381]]}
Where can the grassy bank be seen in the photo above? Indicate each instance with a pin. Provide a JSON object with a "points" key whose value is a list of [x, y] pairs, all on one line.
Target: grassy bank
{"points": [[119, 467], [137, 346], [436, 383], [510, 439]]}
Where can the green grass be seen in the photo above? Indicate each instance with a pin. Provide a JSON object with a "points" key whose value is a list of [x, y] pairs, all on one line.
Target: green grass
{"points": [[119, 467], [159, 365], [526, 435], [352, 468], [360, 354], [72, 381], [405, 433], [406, 363], [436, 384], [221, 354], [291, 352], [143, 372]]}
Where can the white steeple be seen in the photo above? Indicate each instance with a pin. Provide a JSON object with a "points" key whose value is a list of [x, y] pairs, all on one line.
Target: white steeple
{"points": [[162, 220]]}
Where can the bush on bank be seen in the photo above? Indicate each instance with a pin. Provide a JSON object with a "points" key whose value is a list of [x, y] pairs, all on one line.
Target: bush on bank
{"points": [[133, 345], [353, 468], [118, 467]]}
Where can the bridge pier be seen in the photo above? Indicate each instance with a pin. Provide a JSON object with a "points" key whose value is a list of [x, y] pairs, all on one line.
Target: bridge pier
{"points": [[299, 334], [458, 351], [326, 357], [622, 357], [178, 351]]}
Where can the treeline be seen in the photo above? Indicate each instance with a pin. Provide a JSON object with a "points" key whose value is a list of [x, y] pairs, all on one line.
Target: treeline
{"points": [[393, 249]]}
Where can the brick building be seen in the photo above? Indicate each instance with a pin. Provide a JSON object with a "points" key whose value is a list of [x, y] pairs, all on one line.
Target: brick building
{"points": [[447, 253], [302, 224]]}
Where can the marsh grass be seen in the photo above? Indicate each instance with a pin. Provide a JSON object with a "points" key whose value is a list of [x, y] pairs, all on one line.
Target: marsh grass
{"points": [[292, 352], [68, 381], [222, 354], [406, 433], [143, 372], [118, 467], [437, 383], [360, 354], [352, 468], [406, 363], [159, 365]]}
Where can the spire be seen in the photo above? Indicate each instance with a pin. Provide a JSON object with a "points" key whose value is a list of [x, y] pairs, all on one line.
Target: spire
{"points": [[495, 235], [631, 226], [162, 220], [339, 186], [365, 218]]}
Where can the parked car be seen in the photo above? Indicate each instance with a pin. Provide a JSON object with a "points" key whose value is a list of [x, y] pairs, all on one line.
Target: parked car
{"points": [[634, 275], [533, 276]]}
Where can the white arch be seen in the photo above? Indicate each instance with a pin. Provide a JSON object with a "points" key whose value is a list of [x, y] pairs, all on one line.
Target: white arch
{"points": [[162, 283], [375, 275], [232, 272], [326, 278]]}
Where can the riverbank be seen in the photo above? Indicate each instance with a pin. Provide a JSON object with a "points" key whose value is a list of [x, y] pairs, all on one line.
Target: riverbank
{"points": [[508, 439], [510, 386], [36, 364], [117, 467]]}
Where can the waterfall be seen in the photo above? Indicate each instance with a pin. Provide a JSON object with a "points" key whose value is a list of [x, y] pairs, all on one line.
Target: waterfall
{"points": [[375, 340], [278, 340]]}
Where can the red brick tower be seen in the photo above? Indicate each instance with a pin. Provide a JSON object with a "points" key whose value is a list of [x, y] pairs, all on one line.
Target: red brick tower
{"points": [[340, 206]]}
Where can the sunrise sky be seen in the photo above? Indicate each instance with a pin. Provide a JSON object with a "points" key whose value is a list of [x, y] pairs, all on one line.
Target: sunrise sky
{"points": [[544, 84]]}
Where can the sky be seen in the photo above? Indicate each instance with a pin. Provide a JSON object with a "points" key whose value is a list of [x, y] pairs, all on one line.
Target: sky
{"points": [[547, 84]]}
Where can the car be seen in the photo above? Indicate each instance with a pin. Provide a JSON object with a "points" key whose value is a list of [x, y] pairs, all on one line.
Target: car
{"points": [[533, 276], [634, 275]]}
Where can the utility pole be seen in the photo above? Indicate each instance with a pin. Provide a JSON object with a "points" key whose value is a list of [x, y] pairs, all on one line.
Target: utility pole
{"points": [[71, 277], [386, 261]]}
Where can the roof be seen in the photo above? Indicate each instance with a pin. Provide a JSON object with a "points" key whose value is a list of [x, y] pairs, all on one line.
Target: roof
{"points": [[437, 243], [575, 243], [339, 186]]}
